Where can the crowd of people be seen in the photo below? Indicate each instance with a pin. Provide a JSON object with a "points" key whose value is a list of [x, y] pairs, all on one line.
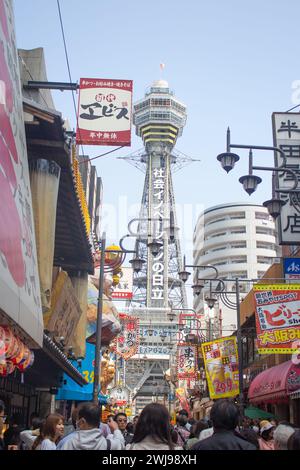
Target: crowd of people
{"points": [[151, 430]]}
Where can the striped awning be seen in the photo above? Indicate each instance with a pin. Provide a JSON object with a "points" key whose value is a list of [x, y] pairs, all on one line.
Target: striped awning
{"points": [[275, 384]]}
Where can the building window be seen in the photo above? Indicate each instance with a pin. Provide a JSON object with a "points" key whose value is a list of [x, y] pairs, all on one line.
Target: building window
{"points": [[265, 231], [238, 230], [265, 245], [237, 215], [262, 216]]}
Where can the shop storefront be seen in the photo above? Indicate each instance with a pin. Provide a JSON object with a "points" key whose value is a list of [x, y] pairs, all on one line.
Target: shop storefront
{"points": [[277, 390]]}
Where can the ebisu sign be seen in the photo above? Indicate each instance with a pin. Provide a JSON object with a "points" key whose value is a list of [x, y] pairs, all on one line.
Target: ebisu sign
{"points": [[104, 112]]}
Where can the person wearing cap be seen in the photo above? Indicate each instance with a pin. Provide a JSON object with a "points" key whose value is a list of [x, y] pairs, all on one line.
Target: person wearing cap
{"points": [[266, 441]]}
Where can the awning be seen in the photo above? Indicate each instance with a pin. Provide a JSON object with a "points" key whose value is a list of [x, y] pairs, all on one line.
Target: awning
{"points": [[62, 361], [256, 413], [276, 383]]}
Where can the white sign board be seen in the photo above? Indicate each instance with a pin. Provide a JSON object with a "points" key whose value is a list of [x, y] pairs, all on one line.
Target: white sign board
{"points": [[286, 136], [19, 279]]}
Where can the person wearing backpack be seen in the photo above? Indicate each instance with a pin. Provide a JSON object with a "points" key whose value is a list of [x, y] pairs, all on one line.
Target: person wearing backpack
{"points": [[88, 436]]}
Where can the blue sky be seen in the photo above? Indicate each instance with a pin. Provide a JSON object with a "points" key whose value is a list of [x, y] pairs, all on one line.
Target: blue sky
{"points": [[231, 62]]}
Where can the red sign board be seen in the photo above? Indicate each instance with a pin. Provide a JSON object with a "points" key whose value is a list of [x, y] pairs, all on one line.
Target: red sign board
{"points": [[104, 112]]}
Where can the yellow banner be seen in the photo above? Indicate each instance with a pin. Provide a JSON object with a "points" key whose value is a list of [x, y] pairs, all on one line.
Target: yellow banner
{"points": [[221, 367], [276, 287]]}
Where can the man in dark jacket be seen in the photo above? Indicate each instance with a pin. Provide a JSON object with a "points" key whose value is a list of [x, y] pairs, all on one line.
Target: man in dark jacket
{"points": [[225, 417]]}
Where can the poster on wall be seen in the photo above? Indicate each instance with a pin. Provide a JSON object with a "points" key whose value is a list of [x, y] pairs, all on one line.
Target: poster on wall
{"points": [[277, 317], [221, 367], [19, 279], [104, 112]]}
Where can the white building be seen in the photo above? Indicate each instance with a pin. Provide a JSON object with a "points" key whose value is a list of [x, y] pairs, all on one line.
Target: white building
{"points": [[239, 239]]}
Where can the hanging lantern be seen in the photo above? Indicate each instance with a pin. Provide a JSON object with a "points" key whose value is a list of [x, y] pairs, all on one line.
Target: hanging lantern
{"points": [[7, 368], [19, 356], [24, 363], [11, 345]]}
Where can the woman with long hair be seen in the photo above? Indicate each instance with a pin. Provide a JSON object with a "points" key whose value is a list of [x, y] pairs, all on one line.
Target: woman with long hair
{"points": [[51, 432], [153, 430]]}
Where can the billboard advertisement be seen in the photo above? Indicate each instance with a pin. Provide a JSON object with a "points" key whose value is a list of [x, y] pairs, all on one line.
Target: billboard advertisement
{"points": [[104, 112], [221, 367], [277, 317]]}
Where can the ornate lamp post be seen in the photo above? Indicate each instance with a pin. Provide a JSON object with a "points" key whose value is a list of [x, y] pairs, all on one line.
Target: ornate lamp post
{"points": [[251, 181]]}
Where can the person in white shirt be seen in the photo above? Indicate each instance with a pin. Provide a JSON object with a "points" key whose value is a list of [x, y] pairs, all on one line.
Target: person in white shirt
{"points": [[88, 436]]}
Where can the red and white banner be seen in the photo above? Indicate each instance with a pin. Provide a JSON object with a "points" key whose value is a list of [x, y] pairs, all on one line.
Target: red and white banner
{"points": [[186, 361], [104, 112], [127, 342], [277, 318]]}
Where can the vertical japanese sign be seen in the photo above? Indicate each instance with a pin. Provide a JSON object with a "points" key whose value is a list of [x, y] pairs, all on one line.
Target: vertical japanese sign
{"points": [[186, 361], [158, 266], [104, 112], [127, 342], [277, 317], [221, 367], [124, 289], [286, 136], [19, 279]]}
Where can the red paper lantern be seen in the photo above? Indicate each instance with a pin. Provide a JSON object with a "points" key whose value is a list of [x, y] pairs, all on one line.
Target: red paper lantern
{"points": [[25, 362], [16, 359], [7, 368]]}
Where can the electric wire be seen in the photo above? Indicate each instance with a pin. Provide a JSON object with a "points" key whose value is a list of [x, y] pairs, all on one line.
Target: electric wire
{"points": [[74, 104]]}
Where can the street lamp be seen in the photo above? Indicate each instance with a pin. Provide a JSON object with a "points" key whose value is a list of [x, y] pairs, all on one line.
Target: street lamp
{"points": [[137, 264], [251, 181]]}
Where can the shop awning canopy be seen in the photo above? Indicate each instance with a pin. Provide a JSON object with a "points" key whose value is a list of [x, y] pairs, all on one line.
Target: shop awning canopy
{"points": [[275, 383]]}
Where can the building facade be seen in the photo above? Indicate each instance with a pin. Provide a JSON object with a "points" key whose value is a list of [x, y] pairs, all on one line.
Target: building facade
{"points": [[239, 239]]}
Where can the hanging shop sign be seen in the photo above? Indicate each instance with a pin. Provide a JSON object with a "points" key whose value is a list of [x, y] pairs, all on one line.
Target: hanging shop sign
{"points": [[104, 112], [186, 360], [221, 367], [286, 136], [65, 310], [125, 287], [19, 279], [14, 354], [277, 317], [127, 342], [119, 395]]}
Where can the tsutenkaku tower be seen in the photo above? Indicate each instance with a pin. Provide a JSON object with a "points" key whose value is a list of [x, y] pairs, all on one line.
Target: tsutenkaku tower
{"points": [[159, 119]]}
